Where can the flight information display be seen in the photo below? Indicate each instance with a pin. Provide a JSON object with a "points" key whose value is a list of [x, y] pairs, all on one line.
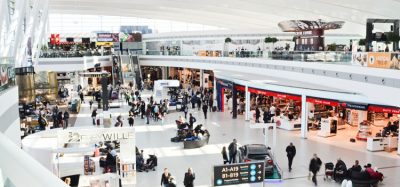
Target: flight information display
{"points": [[233, 174]]}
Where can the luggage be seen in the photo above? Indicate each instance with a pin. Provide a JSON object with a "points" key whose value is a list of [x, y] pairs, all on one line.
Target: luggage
{"points": [[98, 121], [352, 140], [214, 108], [175, 139]]}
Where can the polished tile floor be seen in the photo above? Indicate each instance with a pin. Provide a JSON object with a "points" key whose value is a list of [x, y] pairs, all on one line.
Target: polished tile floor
{"points": [[155, 139]]}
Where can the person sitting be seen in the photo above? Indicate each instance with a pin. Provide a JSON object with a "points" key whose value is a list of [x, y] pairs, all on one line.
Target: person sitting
{"points": [[356, 167], [198, 128], [339, 173], [374, 174]]}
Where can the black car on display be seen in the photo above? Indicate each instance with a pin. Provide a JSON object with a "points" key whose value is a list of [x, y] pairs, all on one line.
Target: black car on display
{"points": [[256, 153]]}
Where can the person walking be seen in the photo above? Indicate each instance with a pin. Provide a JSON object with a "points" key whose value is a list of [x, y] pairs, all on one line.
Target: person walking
{"points": [[120, 120], [210, 103], [165, 178], [224, 155], [66, 118], [192, 120], [232, 151], [188, 181], [291, 152], [205, 109], [315, 165], [60, 119], [81, 96], [94, 114]]}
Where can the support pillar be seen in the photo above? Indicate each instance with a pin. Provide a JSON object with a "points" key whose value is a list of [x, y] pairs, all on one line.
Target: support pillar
{"points": [[202, 78], [215, 89], [164, 74], [234, 102], [304, 117], [247, 103]]}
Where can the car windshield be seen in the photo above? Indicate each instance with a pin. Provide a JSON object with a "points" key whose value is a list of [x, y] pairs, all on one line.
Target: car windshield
{"points": [[256, 156]]}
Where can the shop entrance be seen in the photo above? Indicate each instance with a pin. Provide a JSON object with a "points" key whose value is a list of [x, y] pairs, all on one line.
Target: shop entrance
{"points": [[355, 123], [224, 94], [282, 108]]}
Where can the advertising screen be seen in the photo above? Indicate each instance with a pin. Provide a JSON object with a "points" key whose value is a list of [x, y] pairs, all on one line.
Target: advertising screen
{"points": [[359, 59], [379, 60], [108, 37], [131, 37], [234, 174]]}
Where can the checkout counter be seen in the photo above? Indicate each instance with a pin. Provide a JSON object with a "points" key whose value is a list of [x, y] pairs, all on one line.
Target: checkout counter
{"points": [[283, 122], [388, 144]]}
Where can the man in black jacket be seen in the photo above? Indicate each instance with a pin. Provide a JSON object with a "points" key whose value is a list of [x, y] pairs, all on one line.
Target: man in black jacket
{"points": [[232, 152], [205, 108], [315, 165], [142, 109], [291, 152], [189, 178]]}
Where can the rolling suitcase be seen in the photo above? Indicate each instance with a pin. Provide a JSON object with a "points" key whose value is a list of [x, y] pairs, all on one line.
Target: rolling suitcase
{"points": [[214, 108]]}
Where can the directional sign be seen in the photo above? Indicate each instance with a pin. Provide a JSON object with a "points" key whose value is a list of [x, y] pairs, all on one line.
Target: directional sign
{"points": [[233, 174]]}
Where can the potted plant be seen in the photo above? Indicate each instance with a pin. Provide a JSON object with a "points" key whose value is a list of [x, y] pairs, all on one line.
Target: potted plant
{"points": [[392, 37]]}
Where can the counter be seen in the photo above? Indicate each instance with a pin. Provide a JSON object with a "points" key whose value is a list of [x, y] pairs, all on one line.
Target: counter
{"points": [[283, 122]]}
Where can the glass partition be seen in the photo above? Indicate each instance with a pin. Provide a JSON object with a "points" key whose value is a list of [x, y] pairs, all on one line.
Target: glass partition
{"points": [[7, 73]]}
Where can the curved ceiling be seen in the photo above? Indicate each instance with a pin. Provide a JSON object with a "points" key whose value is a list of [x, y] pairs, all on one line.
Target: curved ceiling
{"points": [[239, 14]]}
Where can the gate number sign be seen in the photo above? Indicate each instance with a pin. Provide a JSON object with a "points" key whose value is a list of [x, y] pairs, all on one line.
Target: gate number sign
{"points": [[232, 174]]}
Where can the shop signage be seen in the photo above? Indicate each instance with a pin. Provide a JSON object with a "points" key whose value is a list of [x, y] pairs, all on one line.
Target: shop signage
{"points": [[384, 109], [96, 135], [275, 94], [322, 101], [235, 174], [104, 43], [225, 83], [356, 106], [108, 37], [240, 88]]}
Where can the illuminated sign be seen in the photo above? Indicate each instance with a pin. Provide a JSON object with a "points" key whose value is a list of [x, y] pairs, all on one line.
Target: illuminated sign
{"points": [[233, 174]]}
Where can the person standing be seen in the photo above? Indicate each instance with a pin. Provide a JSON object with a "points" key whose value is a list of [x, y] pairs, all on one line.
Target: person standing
{"points": [[315, 165], [188, 181], [131, 119], [143, 109], [205, 109], [291, 152], [210, 103], [192, 120], [120, 120], [148, 113], [258, 114], [90, 104], [66, 118], [232, 151], [224, 155], [60, 119], [165, 178], [185, 110]]}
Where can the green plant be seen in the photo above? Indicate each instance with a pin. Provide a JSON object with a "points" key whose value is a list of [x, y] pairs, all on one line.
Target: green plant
{"points": [[361, 42], [44, 47], [332, 47], [228, 40], [391, 37], [270, 40]]}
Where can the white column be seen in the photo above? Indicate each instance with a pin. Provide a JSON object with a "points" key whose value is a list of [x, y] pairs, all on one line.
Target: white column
{"points": [[202, 78], [398, 148], [215, 88], [274, 137], [247, 108], [304, 117]]}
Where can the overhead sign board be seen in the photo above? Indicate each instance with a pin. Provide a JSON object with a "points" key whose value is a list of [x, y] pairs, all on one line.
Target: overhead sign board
{"points": [[234, 174]]}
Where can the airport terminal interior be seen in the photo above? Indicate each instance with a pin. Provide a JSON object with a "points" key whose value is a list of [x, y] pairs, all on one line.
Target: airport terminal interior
{"points": [[199, 93]]}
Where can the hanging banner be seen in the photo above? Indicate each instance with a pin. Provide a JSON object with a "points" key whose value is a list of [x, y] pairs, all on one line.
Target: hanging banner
{"points": [[379, 60], [108, 37], [275, 94], [384, 109], [322, 101]]}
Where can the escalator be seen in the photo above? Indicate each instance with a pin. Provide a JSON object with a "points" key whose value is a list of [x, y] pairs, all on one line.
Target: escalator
{"points": [[137, 74]]}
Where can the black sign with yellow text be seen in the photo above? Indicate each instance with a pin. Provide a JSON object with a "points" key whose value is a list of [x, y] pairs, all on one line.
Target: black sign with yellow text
{"points": [[233, 174]]}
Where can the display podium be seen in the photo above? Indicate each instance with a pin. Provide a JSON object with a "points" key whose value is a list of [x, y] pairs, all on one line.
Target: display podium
{"points": [[376, 143], [328, 127]]}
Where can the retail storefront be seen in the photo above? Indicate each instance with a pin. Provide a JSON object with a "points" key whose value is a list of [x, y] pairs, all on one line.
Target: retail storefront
{"points": [[224, 91], [284, 108]]}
